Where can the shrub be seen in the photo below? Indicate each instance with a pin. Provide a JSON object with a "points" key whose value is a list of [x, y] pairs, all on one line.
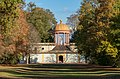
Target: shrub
{"points": [[9, 58]]}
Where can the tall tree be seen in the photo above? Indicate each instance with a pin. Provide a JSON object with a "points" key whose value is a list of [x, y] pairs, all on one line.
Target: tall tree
{"points": [[42, 20], [73, 21], [93, 31], [12, 30], [104, 13], [8, 14], [115, 30], [85, 34]]}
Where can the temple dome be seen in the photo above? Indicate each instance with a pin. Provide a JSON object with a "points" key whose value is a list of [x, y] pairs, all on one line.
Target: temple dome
{"points": [[61, 27]]}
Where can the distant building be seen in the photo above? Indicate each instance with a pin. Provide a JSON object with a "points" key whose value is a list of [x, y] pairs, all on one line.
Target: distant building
{"points": [[62, 51]]}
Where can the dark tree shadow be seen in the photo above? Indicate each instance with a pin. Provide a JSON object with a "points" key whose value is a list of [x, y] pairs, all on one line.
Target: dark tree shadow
{"points": [[63, 71]]}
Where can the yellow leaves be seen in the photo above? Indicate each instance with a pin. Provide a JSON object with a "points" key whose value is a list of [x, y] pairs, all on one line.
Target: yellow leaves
{"points": [[112, 51], [80, 27], [100, 24], [99, 33], [108, 48]]}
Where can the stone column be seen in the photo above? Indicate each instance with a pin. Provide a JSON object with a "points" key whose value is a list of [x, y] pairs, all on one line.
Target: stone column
{"points": [[58, 39], [64, 39], [68, 38]]}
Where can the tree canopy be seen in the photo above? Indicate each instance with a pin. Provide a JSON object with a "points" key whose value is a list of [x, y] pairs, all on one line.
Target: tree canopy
{"points": [[13, 29], [97, 20], [43, 20], [18, 28]]}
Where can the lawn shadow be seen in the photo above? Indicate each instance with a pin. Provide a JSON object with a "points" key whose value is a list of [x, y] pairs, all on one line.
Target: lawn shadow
{"points": [[63, 71]]}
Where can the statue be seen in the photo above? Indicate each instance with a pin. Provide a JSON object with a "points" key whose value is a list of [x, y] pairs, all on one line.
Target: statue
{"points": [[60, 21]]}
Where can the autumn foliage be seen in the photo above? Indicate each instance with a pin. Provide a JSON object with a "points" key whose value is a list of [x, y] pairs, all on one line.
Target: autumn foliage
{"points": [[98, 33], [13, 32]]}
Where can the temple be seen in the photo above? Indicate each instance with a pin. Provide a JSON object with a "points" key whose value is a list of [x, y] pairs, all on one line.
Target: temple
{"points": [[61, 51]]}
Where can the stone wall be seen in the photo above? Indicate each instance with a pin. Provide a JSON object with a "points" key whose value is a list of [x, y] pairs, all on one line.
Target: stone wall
{"points": [[51, 58]]}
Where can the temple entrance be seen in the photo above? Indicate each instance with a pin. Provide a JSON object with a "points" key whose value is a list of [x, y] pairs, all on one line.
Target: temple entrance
{"points": [[60, 59]]}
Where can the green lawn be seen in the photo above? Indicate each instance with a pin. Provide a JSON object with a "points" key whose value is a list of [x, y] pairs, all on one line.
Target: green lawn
{"points": [[59, 71]]}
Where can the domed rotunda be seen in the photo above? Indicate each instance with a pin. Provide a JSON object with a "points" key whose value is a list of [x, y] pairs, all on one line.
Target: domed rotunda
{"points": [[62, 33]]}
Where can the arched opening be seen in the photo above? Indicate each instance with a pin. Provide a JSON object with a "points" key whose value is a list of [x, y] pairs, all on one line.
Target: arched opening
{"points": [[60, 59]]}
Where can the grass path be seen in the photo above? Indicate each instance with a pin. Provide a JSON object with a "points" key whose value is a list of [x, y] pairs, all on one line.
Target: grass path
{"points": [[59, 71]]}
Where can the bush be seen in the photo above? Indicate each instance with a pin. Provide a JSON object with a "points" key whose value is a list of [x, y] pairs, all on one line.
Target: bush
{"points": [[9, 58]]}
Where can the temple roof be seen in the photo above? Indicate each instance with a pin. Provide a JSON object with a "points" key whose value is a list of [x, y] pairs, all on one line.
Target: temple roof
{"points": [[61, 49]]}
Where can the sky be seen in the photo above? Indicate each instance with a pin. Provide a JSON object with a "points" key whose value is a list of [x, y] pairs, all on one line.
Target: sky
{"points": [[60, 8]]}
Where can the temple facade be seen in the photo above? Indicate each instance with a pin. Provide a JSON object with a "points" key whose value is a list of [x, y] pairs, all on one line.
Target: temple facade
{"points": [[61, 51]]}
